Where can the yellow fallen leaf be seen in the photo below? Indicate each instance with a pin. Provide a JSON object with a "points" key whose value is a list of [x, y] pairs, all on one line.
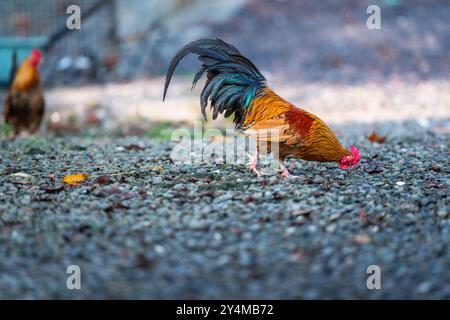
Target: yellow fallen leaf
{"points": [[75, 179], [151, 168]]}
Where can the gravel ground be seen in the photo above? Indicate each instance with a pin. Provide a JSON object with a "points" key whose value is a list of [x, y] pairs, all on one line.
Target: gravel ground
{"points": [[215, 230]]}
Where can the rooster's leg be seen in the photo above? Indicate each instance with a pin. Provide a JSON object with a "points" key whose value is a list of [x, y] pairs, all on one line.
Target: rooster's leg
{"points": [[254, 162]]}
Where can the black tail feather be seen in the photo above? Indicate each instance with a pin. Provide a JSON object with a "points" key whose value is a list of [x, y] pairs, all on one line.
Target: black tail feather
{"points": [[232, 80], [13, 71]]}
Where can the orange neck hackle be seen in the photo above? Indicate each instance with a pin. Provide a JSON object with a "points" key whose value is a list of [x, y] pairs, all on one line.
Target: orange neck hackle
{"points": [[27, 76], [266, 105]]}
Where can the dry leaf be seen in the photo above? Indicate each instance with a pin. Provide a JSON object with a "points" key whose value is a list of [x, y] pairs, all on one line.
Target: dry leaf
{"points": [[54, 189], [115, 206], [143, 262], [305, 212], [133, 146], [376, 138], [436, 168], [374, 170], [157, 168], [362, 239], [23, 182], [61, 128], [75, 179], [103, 180]]}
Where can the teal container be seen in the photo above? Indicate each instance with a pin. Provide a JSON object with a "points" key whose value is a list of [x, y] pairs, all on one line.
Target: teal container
{"points": [[23, 46]]}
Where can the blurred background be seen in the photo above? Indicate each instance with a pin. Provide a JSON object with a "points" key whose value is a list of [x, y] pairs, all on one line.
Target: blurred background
{"points": [[108, 76]]}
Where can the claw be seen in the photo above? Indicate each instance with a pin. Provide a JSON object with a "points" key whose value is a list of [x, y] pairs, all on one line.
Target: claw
{"points": [[253, 168], [254, 162], [287, 175], [285, 172]]}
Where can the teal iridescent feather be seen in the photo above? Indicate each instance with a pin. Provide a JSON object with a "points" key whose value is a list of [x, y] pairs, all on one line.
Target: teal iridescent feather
{"points": [[232, 80]]}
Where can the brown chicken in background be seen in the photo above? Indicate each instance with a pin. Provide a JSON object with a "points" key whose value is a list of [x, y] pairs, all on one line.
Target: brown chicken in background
{"points": [[24, 103], [235, 86]]}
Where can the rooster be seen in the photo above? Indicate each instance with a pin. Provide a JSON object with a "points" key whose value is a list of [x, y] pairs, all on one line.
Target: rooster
{"points": [[24, 103], [234, 85]]}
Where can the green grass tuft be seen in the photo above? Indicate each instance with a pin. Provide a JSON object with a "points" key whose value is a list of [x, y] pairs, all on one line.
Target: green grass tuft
{"points": [[160, 130]]}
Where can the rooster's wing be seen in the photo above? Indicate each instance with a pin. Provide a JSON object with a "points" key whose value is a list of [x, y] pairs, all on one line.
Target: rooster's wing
{"points": [[291, 129]]}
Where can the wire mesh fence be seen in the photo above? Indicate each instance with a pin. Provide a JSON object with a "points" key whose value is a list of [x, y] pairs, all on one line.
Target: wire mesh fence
{"points": [[73, 54], [119, 40]]}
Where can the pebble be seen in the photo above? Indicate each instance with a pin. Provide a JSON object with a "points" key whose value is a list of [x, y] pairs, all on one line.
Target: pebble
{"points": [[331, 228], [442, 213], [362, 239]]}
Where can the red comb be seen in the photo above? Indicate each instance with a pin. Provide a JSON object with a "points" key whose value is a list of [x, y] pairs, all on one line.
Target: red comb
{"points": [[355, 154], [350, 161], [35, 57], [36, 53]]}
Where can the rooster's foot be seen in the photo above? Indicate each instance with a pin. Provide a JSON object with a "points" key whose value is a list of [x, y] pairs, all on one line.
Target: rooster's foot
{"points": [[253, 168], [254, 162], [287, 175], [285, 172]]}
